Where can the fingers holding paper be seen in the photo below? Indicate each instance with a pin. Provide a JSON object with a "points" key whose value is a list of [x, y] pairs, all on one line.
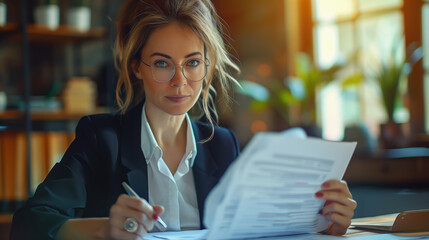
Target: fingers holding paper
{"points": [[339, 207], [131, 218]]}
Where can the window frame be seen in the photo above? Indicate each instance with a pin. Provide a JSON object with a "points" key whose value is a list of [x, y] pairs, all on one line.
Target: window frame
{"points": [[412, 24]]}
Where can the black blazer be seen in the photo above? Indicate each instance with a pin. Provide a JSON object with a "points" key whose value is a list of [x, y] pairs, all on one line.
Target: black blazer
{"points": [[105, 152]]}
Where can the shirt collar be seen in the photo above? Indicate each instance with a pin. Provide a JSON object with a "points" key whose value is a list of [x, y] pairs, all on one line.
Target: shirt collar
{"points": [[150, 146]]}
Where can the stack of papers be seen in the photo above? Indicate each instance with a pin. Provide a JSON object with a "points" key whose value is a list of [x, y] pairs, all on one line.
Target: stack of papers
{"points": [[269, 190]]}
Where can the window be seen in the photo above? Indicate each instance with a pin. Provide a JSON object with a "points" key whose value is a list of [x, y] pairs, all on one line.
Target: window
{"points": [[341, 29]]}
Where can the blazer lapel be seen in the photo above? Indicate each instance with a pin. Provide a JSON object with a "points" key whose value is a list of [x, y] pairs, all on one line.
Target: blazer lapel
{"points": [[204, 171], [131, 153]]}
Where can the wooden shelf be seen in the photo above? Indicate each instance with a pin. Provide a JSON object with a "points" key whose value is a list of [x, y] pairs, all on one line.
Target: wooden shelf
{"points": [[5, 218], [9, 28], [47, 115], [62, 34]]}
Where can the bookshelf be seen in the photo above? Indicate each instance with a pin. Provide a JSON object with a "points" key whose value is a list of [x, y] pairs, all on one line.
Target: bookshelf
{"points": [[31, 141]]}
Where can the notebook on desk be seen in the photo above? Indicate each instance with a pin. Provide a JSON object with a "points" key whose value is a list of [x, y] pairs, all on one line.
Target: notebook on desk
{"points": [[408, 221]]}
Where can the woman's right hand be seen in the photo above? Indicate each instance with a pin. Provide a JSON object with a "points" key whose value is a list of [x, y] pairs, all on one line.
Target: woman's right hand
{"points": [[131, 207]]}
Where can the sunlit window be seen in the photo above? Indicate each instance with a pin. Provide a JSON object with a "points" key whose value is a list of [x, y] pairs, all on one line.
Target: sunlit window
{"points": [[343, 28], [328, 10], [371, 5]]}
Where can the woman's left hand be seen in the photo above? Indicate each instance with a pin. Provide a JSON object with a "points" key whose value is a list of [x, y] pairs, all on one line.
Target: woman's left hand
{"points": [[339, 207]]}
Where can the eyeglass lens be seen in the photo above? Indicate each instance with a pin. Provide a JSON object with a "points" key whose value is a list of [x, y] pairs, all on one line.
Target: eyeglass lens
{"points": [[164, 70]]}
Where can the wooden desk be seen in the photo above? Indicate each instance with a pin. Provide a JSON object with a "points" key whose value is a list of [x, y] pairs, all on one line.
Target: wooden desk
{"points": [[6, 222]]}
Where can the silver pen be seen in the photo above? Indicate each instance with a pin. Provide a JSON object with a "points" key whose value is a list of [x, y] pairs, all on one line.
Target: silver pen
{"points": [[131, 192]]}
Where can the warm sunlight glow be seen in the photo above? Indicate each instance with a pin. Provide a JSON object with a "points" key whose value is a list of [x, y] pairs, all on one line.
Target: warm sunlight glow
{"points": [[331, 110], [257, 126], [264, 70], [327, 45], [328, 10]]}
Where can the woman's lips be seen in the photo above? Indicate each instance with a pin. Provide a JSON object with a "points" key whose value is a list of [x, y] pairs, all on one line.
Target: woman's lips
{"points": [[178, 99]]}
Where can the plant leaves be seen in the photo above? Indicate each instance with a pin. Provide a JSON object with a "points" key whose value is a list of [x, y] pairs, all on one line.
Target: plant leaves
{"points": [[352, 80], [253, 90], [259, 106], [297, 88]]}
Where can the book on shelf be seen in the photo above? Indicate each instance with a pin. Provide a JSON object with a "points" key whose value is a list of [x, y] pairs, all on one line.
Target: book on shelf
{"points": [[47, 148]]}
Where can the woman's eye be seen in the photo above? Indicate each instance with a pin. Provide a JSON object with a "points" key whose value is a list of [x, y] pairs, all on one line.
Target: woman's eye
{"points": [[193, 62], [161, 64]]}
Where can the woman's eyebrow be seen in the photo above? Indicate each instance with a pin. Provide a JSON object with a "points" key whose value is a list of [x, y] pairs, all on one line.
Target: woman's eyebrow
{"points": [[193, 54], [169, 57], [160, 54]]}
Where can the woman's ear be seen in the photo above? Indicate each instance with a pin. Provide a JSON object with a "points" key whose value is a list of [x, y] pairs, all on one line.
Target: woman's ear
{"points": [[135, 66]]}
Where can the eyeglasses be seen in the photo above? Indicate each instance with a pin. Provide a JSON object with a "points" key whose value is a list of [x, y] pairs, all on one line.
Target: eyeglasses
{"points": [[163, 70]]}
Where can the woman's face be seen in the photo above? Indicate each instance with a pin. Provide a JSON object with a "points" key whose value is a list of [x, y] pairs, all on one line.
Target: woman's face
{"points": [[177, 44]]}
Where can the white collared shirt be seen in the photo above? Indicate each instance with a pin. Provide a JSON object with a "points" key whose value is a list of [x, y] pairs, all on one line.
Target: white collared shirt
{"points": [[176, 193]]}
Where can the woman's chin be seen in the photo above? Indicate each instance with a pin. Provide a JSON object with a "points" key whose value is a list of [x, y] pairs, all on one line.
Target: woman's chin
{"points": [[178, 111]]}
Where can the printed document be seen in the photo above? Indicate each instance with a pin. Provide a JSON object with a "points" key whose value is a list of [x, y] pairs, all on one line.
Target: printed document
{"points": [[269, 190]]}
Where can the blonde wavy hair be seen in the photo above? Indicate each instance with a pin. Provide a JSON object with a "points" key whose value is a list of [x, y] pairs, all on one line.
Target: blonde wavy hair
{"points": [[139, 18]]}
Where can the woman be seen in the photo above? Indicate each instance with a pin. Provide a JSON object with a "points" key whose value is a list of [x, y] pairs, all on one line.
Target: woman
{"points": [[170, 57]]}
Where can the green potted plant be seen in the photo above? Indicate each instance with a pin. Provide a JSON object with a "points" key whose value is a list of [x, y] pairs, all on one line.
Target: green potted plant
{"points": [[391, 77], [79, 15], [3, 13], [298, 91], [47, 14], [310, 78]]}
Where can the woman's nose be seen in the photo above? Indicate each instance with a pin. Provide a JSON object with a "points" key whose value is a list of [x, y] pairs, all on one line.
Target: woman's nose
{"points": [[178, 79]]}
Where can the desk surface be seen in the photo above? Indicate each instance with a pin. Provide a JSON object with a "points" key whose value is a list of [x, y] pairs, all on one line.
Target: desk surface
{"points": [[351, 233]]}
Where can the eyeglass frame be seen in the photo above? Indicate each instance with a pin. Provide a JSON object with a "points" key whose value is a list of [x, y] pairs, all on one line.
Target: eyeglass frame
{"points": [[205, 61]]}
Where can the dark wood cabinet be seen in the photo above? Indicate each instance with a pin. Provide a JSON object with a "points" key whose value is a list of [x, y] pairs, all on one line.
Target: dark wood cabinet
{"points": [[402, 166]]}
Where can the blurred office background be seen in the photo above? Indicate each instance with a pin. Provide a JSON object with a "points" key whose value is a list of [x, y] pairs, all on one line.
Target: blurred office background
{"points": [[352, 70]]}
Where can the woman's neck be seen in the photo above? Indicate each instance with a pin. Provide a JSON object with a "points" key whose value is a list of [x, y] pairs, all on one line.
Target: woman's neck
{"points": [[167, 129]]}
